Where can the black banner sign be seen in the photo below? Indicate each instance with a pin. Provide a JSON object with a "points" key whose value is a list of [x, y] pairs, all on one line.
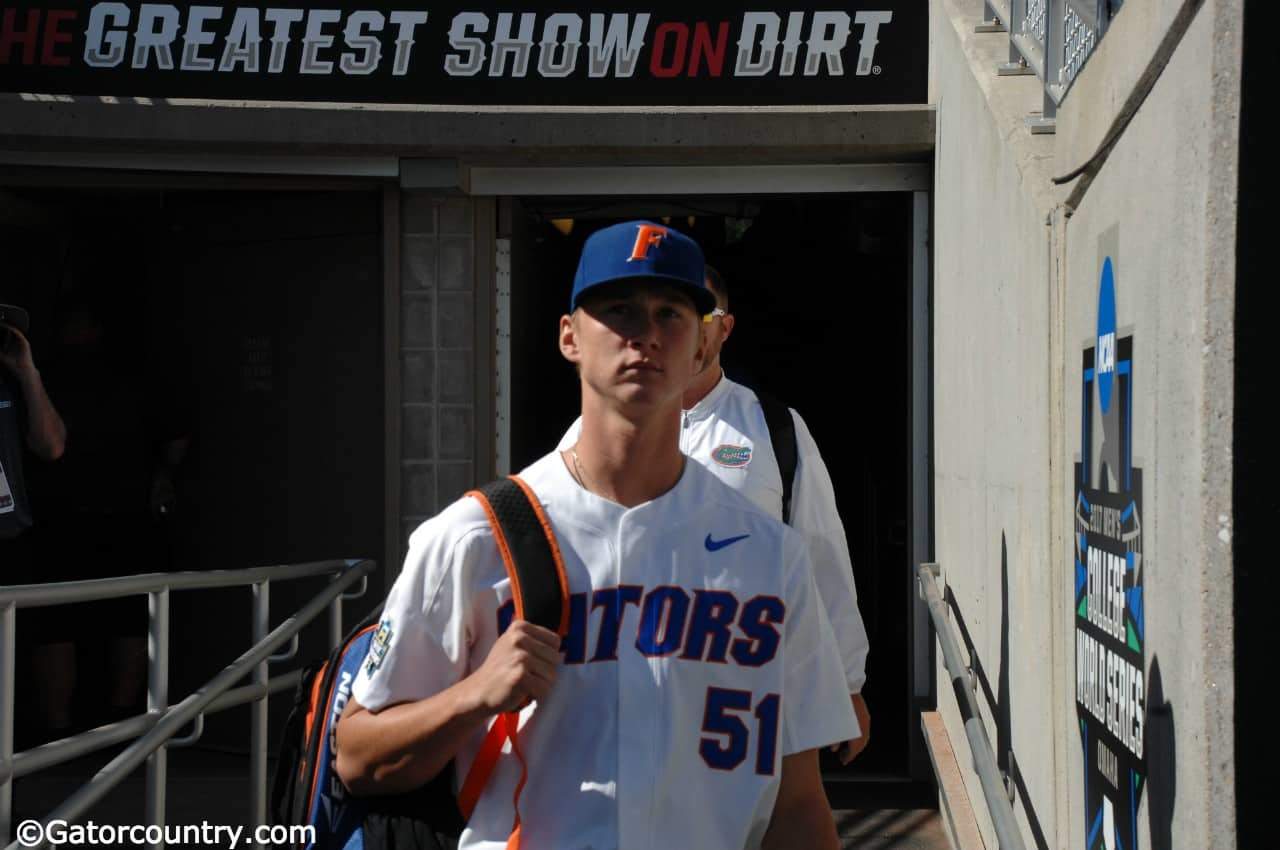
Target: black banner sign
{"points": [[859, 52]]}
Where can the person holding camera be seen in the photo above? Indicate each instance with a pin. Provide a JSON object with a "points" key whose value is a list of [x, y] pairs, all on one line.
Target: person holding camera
{"points": [[28, 421]]}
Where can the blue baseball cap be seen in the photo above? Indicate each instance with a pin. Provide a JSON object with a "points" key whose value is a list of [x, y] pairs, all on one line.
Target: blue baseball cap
{"points": [[643, 251]]}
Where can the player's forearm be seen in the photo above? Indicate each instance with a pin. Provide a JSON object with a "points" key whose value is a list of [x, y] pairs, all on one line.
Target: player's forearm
{"points": [[406, 745], [801, 818], [46, 433], [802, 825]]}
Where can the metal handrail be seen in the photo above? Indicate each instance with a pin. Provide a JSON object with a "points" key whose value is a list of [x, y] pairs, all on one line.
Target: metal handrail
{"points": [[1051, 39], [963, 682], [161, 722], [64, 592]]}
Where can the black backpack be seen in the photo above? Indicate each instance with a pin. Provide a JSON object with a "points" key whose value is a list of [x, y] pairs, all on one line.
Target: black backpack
{"points": [[782, 433], [307, 790]]}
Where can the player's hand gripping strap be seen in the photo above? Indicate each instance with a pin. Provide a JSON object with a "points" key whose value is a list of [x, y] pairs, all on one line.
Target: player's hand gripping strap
{"points": [[541, 594]]}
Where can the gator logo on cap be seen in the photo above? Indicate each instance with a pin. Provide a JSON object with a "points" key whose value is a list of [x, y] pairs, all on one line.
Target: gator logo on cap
{"points": [[732, 456]]}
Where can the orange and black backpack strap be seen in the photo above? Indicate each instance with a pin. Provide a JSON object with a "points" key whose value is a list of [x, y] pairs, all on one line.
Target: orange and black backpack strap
{"points": [[540, 590], [529, 552]]}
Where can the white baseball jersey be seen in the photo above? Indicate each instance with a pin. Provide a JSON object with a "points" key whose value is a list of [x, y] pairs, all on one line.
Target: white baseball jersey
{"points": [[726, 432], [697, 657]]}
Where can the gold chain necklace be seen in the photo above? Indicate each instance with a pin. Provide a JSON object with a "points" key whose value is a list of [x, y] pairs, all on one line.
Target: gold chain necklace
{"points": [[577, 466], [581, 476]]}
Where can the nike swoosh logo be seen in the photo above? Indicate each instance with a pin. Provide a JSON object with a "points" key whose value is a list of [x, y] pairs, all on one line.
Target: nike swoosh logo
{"points": [[716, 545]]}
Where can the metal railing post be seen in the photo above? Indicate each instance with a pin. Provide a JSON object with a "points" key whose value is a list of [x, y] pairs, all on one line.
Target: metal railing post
{"points": [[1017, 19], [1054, 13], [8, 660], [258, 719], [157, 702], [990, 19], [1017, 65], [335, 622], [1055, 24]]}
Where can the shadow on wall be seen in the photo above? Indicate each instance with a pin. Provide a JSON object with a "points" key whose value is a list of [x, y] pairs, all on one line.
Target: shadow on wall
{"points": [[1159, 740], [1159, 747], [1003, 709], [1000, 703]]}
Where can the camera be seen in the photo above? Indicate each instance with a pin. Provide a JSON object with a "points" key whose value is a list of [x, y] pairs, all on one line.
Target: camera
{"points": [[15, 317]]}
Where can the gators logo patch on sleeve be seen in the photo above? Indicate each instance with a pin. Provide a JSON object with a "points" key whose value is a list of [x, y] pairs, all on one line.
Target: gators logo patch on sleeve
{"points": [[731, 456], [378, 647]]}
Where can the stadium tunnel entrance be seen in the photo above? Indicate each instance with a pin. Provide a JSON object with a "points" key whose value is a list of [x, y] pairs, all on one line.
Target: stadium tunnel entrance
{"points": [[350, 354], [822, 289]]}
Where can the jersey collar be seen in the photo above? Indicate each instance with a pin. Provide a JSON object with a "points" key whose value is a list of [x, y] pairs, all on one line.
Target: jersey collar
{"points": [[711, 400], [586, 508]]}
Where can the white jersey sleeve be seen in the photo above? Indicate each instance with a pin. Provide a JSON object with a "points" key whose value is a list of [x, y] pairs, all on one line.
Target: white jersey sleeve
{"points": [[816, 711], [813, 513], [424, 638]]}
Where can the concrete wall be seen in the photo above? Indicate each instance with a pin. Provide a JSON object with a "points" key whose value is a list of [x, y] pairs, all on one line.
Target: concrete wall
{"points": [[992, 259], [1017, 271], [1165, 200]]}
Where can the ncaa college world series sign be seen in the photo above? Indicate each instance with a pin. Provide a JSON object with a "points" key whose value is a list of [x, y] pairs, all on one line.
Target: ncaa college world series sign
{"points": [[608, 53], [1109, 632]]}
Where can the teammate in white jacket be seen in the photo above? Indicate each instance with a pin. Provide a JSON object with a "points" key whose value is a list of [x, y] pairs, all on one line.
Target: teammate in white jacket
{"points": [[699, 676], [723, 428]]}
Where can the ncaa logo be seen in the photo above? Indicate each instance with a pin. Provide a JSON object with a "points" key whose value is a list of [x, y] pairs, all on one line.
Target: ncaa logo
{"points": [[1105, 367]]}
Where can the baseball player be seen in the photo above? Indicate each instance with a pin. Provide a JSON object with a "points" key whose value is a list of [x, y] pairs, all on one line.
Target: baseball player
{"points": [[699, 676], [723, 428]]}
